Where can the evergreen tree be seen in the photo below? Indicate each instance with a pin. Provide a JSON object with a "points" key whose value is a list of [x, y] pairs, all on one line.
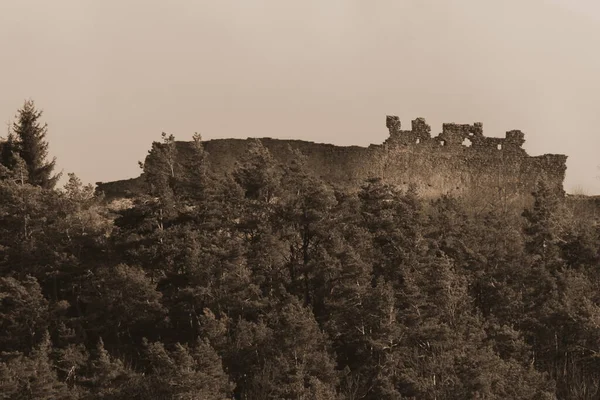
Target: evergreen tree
{"points": [[183, 373], [304, 220], [23, 314], [32, 377], [7, 153], [109, 378], [29, 143], [259, 174]]}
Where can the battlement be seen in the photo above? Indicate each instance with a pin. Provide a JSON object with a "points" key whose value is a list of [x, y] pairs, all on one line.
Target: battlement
{"points": [[452, 136], [460, 160]]}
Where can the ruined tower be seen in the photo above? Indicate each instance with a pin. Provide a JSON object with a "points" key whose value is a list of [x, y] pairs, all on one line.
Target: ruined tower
{"points": [[458, 161]]}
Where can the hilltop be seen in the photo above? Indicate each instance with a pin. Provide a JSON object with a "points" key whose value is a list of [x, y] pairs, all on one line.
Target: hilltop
{"points": [[458, 161]]}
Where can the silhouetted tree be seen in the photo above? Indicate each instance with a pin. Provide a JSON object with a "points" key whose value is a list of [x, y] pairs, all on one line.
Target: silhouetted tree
{"points": [[28, 141]]}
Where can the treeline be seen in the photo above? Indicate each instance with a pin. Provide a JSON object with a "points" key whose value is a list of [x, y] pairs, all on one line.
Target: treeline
{"points": [[271, 284]]}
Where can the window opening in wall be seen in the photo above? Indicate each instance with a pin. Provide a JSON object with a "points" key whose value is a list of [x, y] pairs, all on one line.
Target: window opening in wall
{"points": [[418, 141], [442, 143], [499, 147], [467, 142]]}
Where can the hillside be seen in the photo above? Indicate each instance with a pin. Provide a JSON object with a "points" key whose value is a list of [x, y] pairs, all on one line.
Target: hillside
{"points": [[268, 269], [459, 161]]}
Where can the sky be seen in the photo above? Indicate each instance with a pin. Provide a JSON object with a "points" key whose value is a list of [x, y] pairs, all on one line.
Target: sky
{"points": [[112, 75]]}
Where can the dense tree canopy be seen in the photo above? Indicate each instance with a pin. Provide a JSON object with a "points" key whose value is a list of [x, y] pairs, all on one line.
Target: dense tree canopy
{"points": [[271, 284]]}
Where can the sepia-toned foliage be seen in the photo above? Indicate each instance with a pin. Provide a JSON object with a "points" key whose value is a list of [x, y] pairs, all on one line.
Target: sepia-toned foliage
{"points": [[270, 284]]}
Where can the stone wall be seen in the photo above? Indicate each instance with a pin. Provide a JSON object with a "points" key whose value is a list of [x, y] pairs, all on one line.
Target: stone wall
{"points": [[460, 160]]}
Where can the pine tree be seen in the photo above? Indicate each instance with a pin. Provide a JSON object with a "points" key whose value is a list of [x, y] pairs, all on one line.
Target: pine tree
{"points": [[183, 373], [23, 314], [109, 377], [7, 149], [28, 142], [32, 376], [258, 173]]}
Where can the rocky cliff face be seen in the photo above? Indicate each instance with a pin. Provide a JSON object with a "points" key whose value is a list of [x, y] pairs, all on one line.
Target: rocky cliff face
{"points": [[460, 160]]}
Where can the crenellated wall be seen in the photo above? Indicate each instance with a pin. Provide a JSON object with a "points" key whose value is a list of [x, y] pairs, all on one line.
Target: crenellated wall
{"points": [[460, 160], [453, 135]]}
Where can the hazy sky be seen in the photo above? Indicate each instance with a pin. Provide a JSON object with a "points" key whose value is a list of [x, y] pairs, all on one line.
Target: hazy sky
{"points": [[111, 75]]}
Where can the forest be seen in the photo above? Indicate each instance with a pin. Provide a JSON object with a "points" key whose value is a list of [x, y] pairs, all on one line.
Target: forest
{"points": [[268, 283]]}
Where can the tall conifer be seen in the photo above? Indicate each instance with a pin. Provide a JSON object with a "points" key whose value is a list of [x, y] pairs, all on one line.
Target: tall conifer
{"points": [[28, 141]]}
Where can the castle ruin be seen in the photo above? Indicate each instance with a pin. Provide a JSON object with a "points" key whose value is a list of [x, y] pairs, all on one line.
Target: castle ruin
{"points": [[459, 161]]}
